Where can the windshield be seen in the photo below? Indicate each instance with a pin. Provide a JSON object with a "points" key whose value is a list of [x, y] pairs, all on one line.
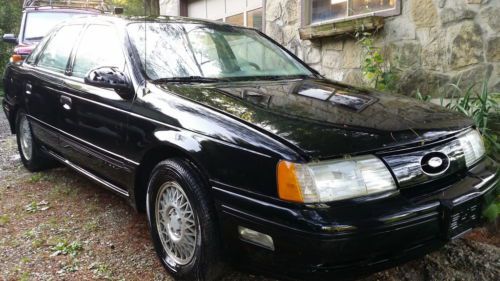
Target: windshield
{"points": [[38, 24], [175, 50]]}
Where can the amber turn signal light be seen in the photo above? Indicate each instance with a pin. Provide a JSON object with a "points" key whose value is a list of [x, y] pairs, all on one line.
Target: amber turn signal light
{"points": [[288, 184], [16, 58]]}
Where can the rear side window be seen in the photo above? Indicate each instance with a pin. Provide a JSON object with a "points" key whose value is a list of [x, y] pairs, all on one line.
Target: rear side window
{"points": [[56, 53], [100, 46]]}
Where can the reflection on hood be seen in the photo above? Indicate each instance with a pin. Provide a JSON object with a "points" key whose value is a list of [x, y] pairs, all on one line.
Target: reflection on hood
{"points": [[326, 118]]}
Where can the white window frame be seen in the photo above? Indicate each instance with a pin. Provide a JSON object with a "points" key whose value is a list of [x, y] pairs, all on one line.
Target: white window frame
{"points": [[307, 13], [247, 9]]}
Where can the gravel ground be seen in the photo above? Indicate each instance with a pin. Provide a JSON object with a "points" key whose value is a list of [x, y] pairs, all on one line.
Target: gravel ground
{"points": [[57, 225]]}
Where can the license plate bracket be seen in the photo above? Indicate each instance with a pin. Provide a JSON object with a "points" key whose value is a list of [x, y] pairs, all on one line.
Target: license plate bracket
{"points": [[461, 218]]}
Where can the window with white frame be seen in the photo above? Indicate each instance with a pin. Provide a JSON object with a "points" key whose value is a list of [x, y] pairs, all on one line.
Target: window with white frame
{"points": [[239, 12], [319, 11]]}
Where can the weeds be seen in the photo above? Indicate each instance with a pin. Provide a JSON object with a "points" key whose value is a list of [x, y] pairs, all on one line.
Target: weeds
{"points": [[36, 178], [34, 207], [374, 66], [101, 271], [4, 219], [62, 190], [65, 248], [92, 225], [25, 276], [479, 106], [74, 266]]}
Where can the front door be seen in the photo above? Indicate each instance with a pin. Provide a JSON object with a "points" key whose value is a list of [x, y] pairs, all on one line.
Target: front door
{"points": [[94, 119]]}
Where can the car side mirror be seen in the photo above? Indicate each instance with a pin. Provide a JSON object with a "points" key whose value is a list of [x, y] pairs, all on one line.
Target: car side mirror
{"points": [[110, 77], [10, 38]]}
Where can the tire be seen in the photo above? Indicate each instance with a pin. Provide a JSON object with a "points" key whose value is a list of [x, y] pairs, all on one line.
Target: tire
{"points": [[173, 222], [32, 156]]}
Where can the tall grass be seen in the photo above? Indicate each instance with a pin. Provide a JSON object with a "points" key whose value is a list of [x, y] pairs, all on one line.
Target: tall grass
{"points": [[480, 105]]}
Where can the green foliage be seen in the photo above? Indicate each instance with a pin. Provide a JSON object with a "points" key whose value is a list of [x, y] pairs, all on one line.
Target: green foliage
{"points": [[421, 97], [66, 248], [480, 106], [492, 212], [4, 219], [34, 207], [10, 18], [374, 66]]}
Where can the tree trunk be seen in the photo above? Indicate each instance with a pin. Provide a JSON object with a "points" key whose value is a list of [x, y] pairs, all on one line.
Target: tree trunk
{"points": [[152, 7]]}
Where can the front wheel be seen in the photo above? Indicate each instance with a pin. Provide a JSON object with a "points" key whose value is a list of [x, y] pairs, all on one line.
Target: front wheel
{"points": [[182, 222], [32, 156]]}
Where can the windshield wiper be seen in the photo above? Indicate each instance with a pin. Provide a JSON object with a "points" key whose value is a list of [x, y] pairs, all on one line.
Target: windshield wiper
{"points": [[278, 77], [188, 79]]}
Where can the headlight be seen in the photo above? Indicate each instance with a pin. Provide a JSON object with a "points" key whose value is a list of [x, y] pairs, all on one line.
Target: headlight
{"points": [[473, 147], [333, 180]]}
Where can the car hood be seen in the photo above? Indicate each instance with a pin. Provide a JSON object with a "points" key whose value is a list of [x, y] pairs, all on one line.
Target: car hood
{"points": [[326, 119]]}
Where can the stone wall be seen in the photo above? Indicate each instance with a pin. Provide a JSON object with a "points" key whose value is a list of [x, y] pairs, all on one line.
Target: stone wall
{"points": [[431, 44]]}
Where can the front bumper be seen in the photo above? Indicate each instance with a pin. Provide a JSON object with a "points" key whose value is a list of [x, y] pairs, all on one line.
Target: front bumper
{"points": [[356, 237]]}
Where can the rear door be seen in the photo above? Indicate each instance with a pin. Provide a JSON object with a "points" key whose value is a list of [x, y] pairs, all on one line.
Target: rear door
{"points": [[43, 83], [94, 119]]}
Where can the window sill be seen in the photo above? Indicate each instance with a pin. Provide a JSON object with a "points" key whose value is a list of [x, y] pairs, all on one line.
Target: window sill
{"points": [[348, 26]]}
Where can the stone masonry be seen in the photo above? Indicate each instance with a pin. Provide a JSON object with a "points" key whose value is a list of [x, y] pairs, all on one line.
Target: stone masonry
{"points": [[431, 44]]}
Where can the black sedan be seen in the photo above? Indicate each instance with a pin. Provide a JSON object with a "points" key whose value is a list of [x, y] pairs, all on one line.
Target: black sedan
{"points": [[241, 153]]}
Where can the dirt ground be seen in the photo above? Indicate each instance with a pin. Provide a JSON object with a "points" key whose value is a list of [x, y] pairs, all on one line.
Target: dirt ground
{"points": [[57, 225]]}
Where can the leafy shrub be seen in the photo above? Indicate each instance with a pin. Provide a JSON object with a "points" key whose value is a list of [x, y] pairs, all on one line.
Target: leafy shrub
{"points": [[374, 66], [10, 18], [480, 106]]}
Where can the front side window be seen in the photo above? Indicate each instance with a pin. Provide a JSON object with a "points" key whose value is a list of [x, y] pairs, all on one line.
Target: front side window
{"points": [[38, 24], [100, 46], [325, 10], [210, 51], [56, 53]]}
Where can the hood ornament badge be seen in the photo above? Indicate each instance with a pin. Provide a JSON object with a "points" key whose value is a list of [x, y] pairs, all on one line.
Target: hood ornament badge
{"points": [[435, 163]]}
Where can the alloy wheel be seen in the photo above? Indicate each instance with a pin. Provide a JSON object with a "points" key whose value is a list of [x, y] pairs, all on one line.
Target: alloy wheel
{"points": [[176, 223]]}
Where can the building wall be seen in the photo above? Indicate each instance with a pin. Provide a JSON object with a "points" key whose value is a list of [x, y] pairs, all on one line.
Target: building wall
{"points": [[431, 44], [170, 7]]}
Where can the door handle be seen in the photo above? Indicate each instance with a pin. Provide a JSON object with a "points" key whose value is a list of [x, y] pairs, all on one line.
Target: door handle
{"points": [[29, 87], [66, 102]]}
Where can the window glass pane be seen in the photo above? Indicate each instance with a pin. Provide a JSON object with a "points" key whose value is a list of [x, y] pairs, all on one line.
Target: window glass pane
{"points": [[56, 54], [254, 19], [236, 19], [368, 6], [38, 24], [100, 46], [323, 10]]}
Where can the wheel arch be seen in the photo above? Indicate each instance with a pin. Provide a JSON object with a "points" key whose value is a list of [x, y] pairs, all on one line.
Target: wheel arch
{"points": [[151, 158]]}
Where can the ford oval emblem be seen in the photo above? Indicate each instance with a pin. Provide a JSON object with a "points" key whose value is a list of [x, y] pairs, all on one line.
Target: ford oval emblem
{"points": [[435, 163]]}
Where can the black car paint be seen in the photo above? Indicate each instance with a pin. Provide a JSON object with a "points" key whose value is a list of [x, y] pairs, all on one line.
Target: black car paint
{"points": [[236, 132]]}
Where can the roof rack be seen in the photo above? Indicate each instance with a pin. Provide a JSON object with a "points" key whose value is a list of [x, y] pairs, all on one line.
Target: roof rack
{"points": [[100, 5]]}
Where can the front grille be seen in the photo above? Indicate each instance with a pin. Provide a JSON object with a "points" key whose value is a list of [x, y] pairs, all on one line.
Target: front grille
{"points": [[407, 166]]}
